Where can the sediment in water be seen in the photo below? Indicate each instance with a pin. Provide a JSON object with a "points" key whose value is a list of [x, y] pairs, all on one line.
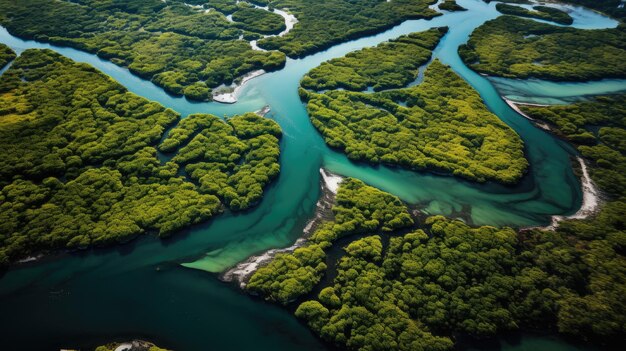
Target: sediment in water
{"points": [[241, 273]]}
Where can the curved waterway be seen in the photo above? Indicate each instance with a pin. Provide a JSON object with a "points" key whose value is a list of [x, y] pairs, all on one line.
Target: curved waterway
{"points": [[141, 289]]}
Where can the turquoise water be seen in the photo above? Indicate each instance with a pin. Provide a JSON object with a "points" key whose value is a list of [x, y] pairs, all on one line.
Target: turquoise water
{"points": [[141, 289]]}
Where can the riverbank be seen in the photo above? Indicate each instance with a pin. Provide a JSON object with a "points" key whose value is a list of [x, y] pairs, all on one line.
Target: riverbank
{"points": [[230, 97], [241, 273], [591, 195], [592, 201], [514, 105]]}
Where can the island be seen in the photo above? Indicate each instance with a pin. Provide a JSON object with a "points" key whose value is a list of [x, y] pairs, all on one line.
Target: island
{"points": [[81, 169], [440, 124], [513, 47]]}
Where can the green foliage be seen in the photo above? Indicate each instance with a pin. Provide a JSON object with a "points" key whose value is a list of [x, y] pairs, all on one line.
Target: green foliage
{"points": [[259, 21], [184, 50], [573, 121], [322, 24], [289, 275], [359, 209], [233, 160], [363, 209], [444, 127], [392, 64], [451, 5], [540, 12], [59, 116], [594, 247], [456, 279], [80, 166], [513, 47], [607, 150], [6, 55]]}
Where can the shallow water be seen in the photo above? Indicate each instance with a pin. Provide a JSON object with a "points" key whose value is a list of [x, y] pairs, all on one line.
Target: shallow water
{"points": [[141, 290]]}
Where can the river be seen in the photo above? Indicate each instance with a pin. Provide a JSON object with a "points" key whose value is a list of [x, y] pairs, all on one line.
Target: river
{"points": [[142, 290]]}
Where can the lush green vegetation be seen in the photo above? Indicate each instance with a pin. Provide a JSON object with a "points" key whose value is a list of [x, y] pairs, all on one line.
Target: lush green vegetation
{"points": [[440, 125], [184, 50], [540, 12], [79, 166], [322, 24], [392, 64], [599, 129], [451, 5], [519, 48], [599, 241], [447, 278], [233, 160], [575, 122], [260, 21], [6, 55], [358, 209]]}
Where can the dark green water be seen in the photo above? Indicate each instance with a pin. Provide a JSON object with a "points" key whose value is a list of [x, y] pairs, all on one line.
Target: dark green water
{"points": [[142, 290]]}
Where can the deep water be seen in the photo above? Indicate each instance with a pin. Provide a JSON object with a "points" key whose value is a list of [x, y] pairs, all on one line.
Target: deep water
{"points": [[142, 290]]}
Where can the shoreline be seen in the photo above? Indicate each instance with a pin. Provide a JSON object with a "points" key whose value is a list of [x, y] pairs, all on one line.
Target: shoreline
{"points": [[514, 105], [591, 195], [242, 271], [231, 97], [591, 199]]}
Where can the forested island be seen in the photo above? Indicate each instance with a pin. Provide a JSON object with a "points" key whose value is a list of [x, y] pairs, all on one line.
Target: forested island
{"points": [[451, 5], [440, 124], [322, 24], [80, 166], [513, 47], [539, 12]]}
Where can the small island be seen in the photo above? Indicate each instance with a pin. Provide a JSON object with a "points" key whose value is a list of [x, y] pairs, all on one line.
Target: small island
{"points": [[539, 12]]}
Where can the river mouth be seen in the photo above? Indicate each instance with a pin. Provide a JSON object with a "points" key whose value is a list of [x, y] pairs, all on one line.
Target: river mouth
{"points": [[144, 292]]}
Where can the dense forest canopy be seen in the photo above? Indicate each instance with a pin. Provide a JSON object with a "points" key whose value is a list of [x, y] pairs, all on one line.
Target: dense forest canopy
{"points": [[6, 55], [392, 64], [323, 23], [358, 209], [79, 166], [440, 125], [598, 128], [513, 47], [189, 47], [451, 5], [444, 279], [183, 49]]}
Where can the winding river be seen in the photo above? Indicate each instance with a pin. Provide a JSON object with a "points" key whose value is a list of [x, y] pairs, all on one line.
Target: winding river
{"points": [[142, 289]]}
